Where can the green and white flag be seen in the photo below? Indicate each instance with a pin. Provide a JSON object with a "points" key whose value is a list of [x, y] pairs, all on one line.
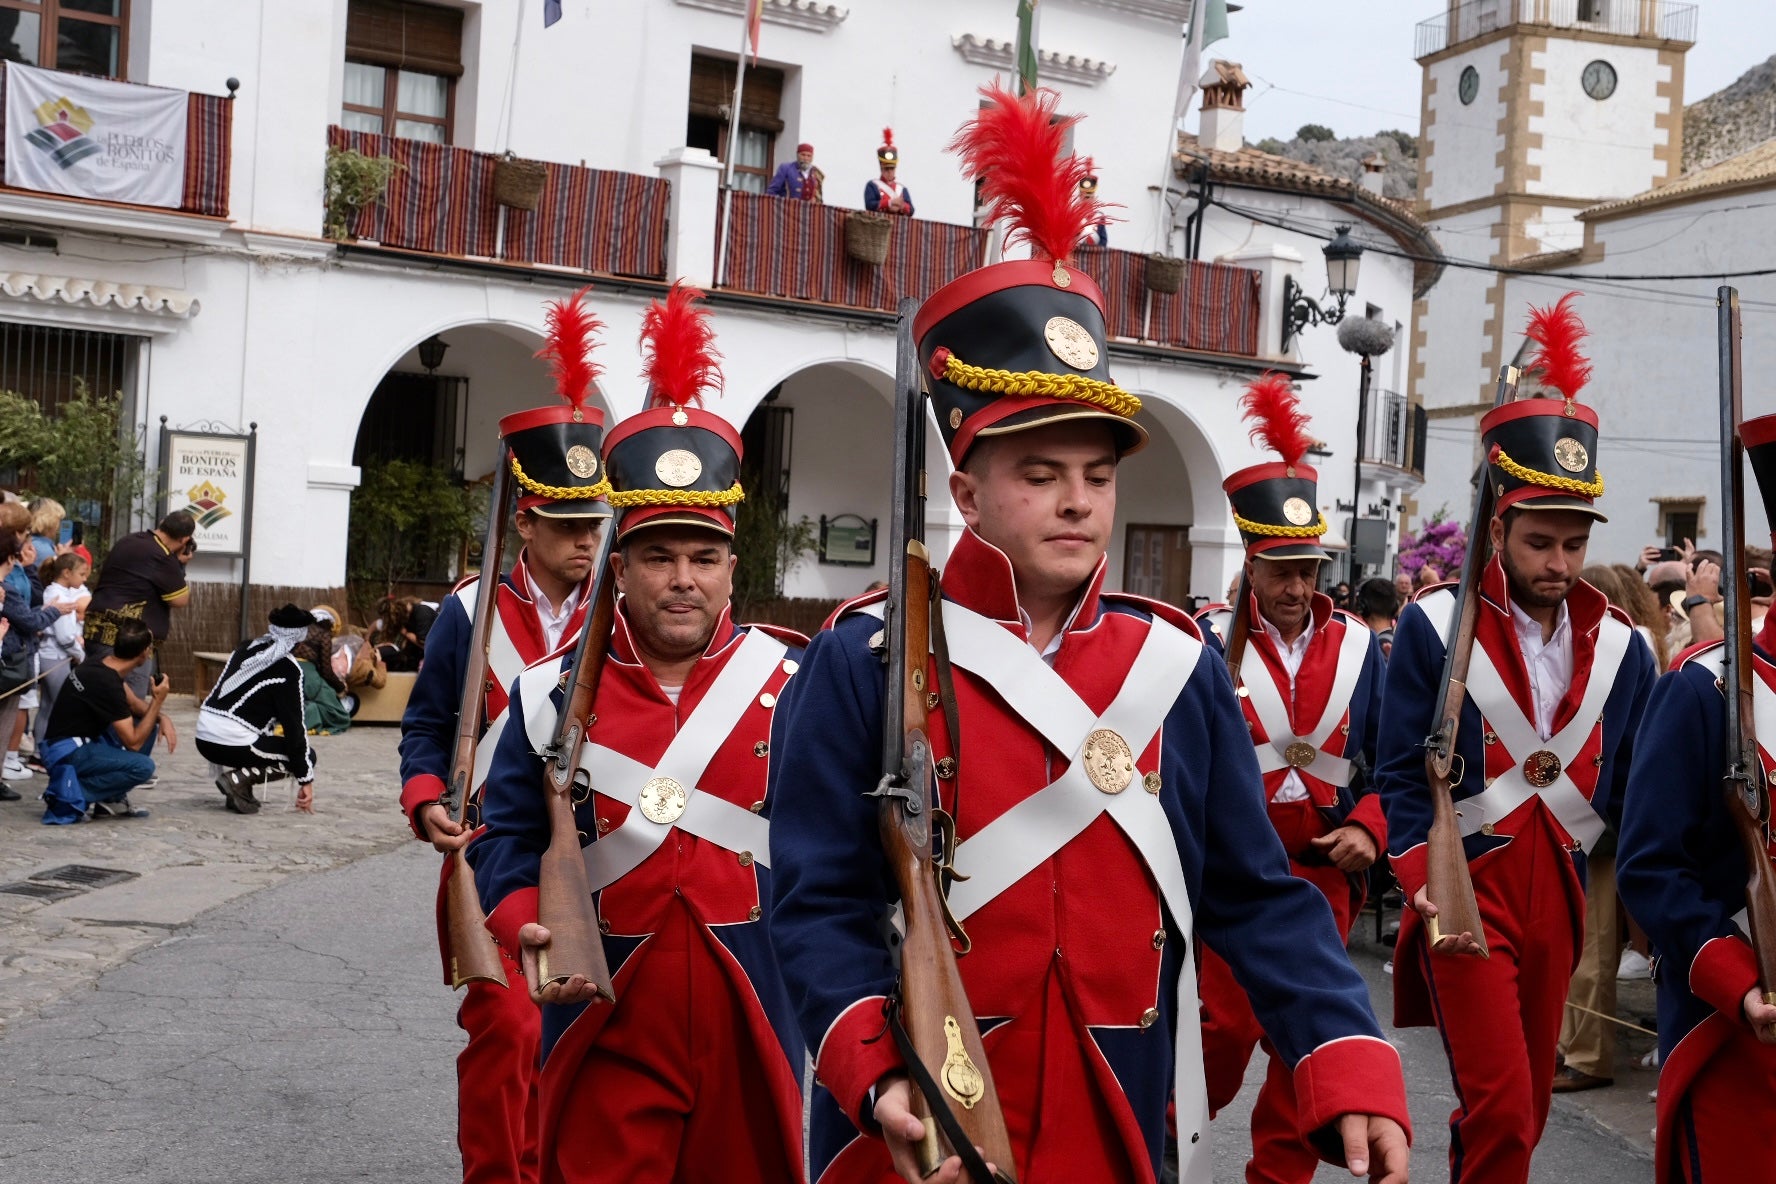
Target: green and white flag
{"points": [[1027, 67]]}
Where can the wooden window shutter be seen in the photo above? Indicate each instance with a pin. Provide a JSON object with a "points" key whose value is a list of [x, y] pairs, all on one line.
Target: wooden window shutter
{"points": [[712, 89], [405, 35]]}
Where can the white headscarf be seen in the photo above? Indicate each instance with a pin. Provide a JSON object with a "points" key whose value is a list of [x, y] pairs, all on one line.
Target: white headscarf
{"points": [[273, 647]]}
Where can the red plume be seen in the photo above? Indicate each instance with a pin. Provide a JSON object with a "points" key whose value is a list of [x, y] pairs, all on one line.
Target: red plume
{"points": [[1014, 149], [680, 361], [1558, 330], [887, 137], [568, 346], [1274, 411]]}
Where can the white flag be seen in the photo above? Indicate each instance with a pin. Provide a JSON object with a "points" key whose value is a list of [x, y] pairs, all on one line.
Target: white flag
{"points": [[91, 137]]}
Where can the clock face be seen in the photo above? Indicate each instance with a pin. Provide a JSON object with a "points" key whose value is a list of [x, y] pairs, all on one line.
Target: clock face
{"points": [[1599, 79], [1469, 86]]}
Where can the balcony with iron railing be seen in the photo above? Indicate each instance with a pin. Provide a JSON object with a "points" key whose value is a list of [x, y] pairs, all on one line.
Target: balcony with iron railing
{"points": [[1657, 20], [448, 202], [1393, 438], [209, 121]]}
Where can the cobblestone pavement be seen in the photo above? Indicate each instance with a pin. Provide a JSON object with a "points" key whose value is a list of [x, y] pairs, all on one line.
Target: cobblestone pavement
{"points": [[190, 855]]}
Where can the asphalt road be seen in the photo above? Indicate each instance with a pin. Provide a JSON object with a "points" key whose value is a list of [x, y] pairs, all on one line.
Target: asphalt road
{"points": [[301, 1034]]}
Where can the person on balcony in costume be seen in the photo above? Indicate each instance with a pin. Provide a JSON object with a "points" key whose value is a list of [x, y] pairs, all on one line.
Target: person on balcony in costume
{"points": [[1107, 804], [797, 179], [1556, 685], [1097, 232], [885, 195]]}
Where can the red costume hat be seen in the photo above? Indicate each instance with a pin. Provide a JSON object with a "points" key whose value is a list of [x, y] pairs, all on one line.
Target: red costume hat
{"points": [[801, 148], [1275, 504], [675, 463], [1542, 453], [888, 156], [1022, 343], [554, 449], [1088, 184]]}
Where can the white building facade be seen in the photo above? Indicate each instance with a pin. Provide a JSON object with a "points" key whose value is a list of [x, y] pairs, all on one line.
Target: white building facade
{"points": [[250, 315]]}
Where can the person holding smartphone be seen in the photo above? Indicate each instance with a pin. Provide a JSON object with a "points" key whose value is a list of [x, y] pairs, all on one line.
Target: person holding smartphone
{"points": [[95, 729]]}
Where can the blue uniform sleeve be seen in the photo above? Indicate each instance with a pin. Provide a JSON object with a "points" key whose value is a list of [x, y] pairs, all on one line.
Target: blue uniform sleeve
{"points": [[872, 196], [428, 727], [1634, 685], [1406, 710], [779, 186], [507, 854]]}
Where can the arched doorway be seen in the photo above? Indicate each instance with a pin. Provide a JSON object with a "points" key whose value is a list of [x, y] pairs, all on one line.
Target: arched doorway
{"points": [[1169, 541]]}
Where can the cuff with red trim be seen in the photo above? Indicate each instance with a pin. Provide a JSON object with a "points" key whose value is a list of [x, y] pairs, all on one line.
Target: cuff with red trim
{"points": [[510, 915], [420, 790], [1351, 1075], [855, 1053], [1724, 970], [1367, 813], [1409, 869]]}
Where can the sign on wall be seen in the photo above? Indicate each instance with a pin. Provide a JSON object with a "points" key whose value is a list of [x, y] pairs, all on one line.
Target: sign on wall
{"points": [[210, 476], [91, 137]]}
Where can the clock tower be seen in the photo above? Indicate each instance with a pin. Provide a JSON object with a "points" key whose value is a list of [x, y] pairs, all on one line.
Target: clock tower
{"points": [[1532, 111]]}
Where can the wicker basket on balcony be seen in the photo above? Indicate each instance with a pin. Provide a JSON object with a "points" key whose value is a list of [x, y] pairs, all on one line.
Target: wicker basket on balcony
{"points": [[518, 182], [1164, 274], [866, 237]]}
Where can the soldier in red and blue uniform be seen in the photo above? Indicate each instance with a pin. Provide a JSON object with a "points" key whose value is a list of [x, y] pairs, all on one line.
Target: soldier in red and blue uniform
{"points": [[540, 608], [1310, 689], [695, 1071], [1682, 871], [1101, 779], [1555, 691]]}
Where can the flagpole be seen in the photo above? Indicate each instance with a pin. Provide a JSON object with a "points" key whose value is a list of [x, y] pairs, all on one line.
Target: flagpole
{"points": [[1189, 68], [721, 260]]}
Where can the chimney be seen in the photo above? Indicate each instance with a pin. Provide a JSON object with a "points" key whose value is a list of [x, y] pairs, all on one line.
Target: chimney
{"points": [[1223, 126], [1374, 168]]}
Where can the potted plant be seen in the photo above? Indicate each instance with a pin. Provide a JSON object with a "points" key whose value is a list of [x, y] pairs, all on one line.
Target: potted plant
{"points": [[353, 182]]}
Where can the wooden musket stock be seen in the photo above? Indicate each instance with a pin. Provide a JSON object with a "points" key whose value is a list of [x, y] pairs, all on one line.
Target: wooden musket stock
{"points": [[474, 956], [564, 895], [1743, 779], [1448, 884], [933, 1007]]}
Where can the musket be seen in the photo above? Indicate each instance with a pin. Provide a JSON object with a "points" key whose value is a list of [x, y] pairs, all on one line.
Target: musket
{"points": [[564, 895], [1747, 789], [1448, 884], [474, 955], [932, 1022], [1237, 627]]}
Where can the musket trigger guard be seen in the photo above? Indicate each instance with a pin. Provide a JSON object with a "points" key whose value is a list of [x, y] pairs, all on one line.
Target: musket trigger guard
{"points": [[1457, 767]]}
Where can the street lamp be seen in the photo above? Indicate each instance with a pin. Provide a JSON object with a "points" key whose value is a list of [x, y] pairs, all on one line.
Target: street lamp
{"points": [[1367, 338], [431, 353], [1344, 255]]}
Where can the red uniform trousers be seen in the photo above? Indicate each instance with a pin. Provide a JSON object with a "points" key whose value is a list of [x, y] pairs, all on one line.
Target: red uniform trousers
{"points": [[1727, 1134], [496, 1081], [1230, 1030], [669, 1089], [1056, 1091], [1500, 1016]]}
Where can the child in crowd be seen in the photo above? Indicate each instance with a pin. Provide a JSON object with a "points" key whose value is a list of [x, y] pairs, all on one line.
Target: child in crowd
{"points": [[59, 647]]}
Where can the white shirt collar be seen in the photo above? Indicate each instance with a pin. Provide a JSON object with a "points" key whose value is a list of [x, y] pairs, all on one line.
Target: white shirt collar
{"points": [[1292, 651], [1529, 630], [553, 620], [1053, 647]]}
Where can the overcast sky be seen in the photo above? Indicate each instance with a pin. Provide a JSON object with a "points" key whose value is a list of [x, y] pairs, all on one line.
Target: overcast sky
{"points": [[1348, 63]]}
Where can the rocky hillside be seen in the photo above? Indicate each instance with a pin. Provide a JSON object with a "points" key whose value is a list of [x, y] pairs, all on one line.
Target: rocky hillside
{"points": [[1315, 145], [1732, 119]]}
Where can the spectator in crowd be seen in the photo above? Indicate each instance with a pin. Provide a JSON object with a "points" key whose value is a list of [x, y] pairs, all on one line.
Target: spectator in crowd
{"points": [[258, 692], [1630, 593], [1341, 594], [1427, 575], [885, 195], [798, 179], [21, 605], [96, 730], [46, 527], [324, 714], [143, 579], [1403, 587], [1378, 603], [58, 648], [400, 635], [1696, 617]]}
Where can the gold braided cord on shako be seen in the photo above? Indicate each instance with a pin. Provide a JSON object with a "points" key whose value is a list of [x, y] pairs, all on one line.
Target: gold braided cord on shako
{"points": [[560, 492], [628, 499], [1042, 385], [1530, 476], [1312, 530]]}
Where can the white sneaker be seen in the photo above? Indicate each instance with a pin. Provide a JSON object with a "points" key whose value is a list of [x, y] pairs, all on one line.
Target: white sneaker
{"points": [[15, 768], [1634, 964]]}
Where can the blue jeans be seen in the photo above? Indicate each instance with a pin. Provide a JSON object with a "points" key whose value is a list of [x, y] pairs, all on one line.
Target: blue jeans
{"points": [[107, 770]]}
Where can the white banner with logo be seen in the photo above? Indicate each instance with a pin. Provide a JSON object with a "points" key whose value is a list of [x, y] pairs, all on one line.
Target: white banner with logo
{"points": [[91, 137], [209, 476]]}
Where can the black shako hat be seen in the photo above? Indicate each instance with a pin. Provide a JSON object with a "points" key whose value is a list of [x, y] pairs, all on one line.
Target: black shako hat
{"points": [[554, 449], [1759, 436], [1022, 343], [676, 463], [290, 617], [1541, 454], [1276, 503]]}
